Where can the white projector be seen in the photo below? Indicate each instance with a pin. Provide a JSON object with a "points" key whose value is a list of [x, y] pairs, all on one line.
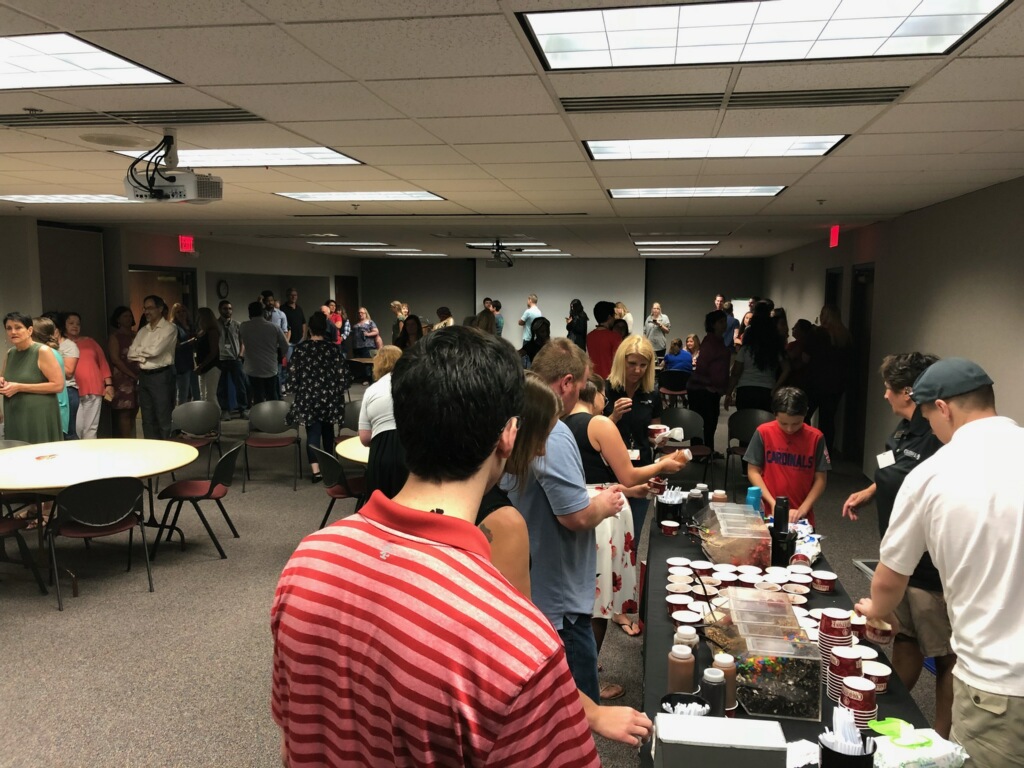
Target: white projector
{"points": [[186, 187]]}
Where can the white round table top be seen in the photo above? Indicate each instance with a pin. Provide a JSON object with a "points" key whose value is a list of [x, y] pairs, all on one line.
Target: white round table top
{"points": [[353, 450], [58, 465]]}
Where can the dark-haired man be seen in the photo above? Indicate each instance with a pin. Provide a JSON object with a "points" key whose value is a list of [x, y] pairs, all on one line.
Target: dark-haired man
{"points": [[153, 350], [396, 641], [264, 345], [963, 506], [603, 341], [232, 390], [499, 319]]}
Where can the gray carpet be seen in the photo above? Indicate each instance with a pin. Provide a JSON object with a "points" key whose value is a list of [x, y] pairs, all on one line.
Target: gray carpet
{"points": [[181, 677]]}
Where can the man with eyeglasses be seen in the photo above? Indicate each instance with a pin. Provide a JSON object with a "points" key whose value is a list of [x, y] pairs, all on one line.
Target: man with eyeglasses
{"points": [[232, 391], [153, 350]]}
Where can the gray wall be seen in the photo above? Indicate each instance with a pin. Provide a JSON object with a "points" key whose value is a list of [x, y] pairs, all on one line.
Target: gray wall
{"points": [[20, 281], [948, 280], [244, 288], [686, 288], [424, 284], [71, 276]]}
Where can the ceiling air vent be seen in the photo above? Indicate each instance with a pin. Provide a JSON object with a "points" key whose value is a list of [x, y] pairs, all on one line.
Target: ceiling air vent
{"points": [[133, 117], [643, 102], [841, 97]]}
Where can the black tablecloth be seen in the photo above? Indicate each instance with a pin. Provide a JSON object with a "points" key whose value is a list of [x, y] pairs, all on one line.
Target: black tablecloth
{"points": [[659, 630]]}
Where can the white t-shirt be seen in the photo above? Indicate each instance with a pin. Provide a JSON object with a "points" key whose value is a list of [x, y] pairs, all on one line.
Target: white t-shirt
{"points": [[68, 348], [753, 376], [965, 506], [377, 413]]}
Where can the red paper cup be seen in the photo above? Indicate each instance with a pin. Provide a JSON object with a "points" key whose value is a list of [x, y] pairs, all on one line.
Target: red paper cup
{"points": [[824, 581], [686, 618], [767, 586], [835, 622], [878, 673], [674, 579], [858, 625], [800, 560], [658, 485], [726, 579], [844, 662], [878, 631], [702, 567], [866, 654], [750, 580], [679, 589], [669, 527], [703, 593], [675, 602], [656, 430], [796, 589], [802, 579], [858, 694]]}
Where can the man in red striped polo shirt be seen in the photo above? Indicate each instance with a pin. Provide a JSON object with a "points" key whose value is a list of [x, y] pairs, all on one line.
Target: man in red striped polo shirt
{"points": [[396, 641]]}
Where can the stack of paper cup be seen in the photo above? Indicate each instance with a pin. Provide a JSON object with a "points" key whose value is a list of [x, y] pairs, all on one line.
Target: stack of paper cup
{"points": [[843, 663], [858, 694], [833, 632]]}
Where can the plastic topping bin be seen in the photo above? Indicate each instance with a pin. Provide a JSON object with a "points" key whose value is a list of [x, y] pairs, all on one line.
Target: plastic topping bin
{"points": [[778, 667], [735, 534]]}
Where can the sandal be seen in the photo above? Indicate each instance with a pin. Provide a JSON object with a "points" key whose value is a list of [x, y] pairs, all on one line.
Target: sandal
{"points": [[34, 523], [611, 691], [631, 628]]}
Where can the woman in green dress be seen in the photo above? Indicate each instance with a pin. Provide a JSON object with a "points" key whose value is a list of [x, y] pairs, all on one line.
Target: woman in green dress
{"points": [[29, 383]]}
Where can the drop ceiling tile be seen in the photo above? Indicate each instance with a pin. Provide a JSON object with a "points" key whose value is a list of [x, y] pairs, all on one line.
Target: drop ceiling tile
{"points": [[435, 171], [981, 116], [13, 140], [448, 187], [14, 23], [16, 102], [363, 133], [83, 161], [62, 176], [468, 198], [430, 154], [540, 195], [974, 80], [285, 185], [835, 74], [842, 181], [336, 173], [567, 184], [506, 208], [646, 181], [226, 136], [607, 126], [616, 169], [328, 10], [139, 13], [426, 47], [1002, 36], [536, 152], [820, 121], [759, 165], [1007, 141], [892, 144], [74, 138], [306, 101], [123, 98], [480, 130], [538, 170], [231, 55], [466, 97], [15, 162], [746, 179], [640, 81]]}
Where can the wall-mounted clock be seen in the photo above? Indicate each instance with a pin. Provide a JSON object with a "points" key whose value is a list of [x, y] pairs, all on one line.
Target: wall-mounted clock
{"points": [[222, 289]]}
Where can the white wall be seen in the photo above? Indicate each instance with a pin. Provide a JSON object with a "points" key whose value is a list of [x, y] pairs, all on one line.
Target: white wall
{"points": [[948, 280], [20, 285], [557, 282]]}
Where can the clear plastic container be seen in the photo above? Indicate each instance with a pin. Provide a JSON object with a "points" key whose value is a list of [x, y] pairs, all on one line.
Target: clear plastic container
{"points": [[735, 534]]}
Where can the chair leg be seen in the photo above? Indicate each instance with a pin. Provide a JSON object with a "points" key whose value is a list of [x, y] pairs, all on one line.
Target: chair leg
{"points": [[160, 530], [130, 532], [227, 519], [29, 561], [54, 576], [725, 482], [245, 465], [327, 514], [209, 530], [298, 468], [145, 553]]}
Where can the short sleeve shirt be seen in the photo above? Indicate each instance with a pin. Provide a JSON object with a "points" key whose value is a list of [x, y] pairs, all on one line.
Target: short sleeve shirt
{"points": [[531, 314], [68, 348], [377, 412], [563, 568], [788, 462], [753, 376], [296, 319], [633, 425]]}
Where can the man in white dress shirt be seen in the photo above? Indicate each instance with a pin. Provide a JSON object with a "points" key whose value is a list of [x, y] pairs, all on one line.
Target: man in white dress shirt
{"points": [[153, 350]]}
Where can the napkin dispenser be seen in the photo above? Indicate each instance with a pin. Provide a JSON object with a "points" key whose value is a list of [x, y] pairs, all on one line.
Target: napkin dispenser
{"points": [[737, 743]]}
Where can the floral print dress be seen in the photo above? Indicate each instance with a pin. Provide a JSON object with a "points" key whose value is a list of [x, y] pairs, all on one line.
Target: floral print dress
{"points": [[316, 376], [616, 564]]}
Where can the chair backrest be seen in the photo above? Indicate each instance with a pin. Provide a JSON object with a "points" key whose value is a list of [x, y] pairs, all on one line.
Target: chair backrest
{"points": [[743, 424], [99, 502], [271, 417], [11, 444], [352, 415], [196, 418], [691, 422], [224, 472], [673, 380], [330, 468]]}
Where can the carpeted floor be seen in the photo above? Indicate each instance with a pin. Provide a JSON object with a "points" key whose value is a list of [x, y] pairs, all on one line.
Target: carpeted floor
{"points": [[181, 677]]}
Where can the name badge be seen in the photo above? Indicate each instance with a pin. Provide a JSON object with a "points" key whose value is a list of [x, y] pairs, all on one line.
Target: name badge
{"points": [[634, 454], [886, 459]]}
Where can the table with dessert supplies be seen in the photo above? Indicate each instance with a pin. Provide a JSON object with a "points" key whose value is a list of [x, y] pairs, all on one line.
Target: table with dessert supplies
{"points": [[659, 630]]}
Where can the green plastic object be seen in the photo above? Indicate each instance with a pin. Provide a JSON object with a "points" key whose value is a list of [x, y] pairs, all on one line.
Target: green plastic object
{"points": [[900, 732]]}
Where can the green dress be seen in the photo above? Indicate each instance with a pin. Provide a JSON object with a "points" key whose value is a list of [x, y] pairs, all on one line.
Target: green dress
{"points": [[29, 417]]}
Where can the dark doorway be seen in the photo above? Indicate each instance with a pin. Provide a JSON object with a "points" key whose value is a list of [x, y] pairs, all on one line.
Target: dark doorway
{"points": [[834, 287], [172, 284], [862, 380], [346, 293]]}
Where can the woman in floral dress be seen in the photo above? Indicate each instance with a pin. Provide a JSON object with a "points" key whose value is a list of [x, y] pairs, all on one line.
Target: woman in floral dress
{"points": [[124, 373]]}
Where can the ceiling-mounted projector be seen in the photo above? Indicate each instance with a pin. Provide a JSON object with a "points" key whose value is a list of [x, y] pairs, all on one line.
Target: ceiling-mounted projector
{"points": [[177, 187]]}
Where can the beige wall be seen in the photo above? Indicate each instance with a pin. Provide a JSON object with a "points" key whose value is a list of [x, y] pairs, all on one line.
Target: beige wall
{"points": [[948, 280], [20, 285]]}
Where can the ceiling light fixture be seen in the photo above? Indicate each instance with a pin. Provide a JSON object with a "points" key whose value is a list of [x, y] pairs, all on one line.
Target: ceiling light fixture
{"points": [[674, 242], [337, 243], [505, 244], [746, 146], [388, 250], [64, 61], [765, 191], [359, 197], [33, 199], [770, 30], [257, 157]]}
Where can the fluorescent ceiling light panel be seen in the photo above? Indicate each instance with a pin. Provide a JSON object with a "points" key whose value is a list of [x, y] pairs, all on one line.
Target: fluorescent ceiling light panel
{"points": [[541, 250], [674, 242], [403, 253], [509, 244], [654, 192], [61, 61], [389, 249], [746, 30], [359, 197], [748, 146], [32, 199], [256, 157], [673, 250], [337, 242]]}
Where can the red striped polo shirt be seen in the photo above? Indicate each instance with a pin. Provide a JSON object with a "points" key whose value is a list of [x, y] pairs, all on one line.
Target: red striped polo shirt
{"points": [[397, 643]]}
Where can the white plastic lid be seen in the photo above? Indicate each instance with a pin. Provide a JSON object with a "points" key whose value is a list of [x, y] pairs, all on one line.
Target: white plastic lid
{"points": [[696, 492], [681, 652], [702, 486], [719, 491], [711, 674], [725, 659], [688, 632], [688, 454]]}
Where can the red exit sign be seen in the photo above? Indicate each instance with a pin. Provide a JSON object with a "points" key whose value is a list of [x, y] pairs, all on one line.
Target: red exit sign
{"points": [[186, 244]]}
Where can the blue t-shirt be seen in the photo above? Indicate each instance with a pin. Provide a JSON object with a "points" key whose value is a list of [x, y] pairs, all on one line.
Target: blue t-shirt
{"points": [[531, 314], [563, 568], [731, 324], [681, 362]]}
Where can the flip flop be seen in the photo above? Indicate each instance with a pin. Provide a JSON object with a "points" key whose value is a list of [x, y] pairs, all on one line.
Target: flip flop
{"points": [[631, 628], [612, 691]]}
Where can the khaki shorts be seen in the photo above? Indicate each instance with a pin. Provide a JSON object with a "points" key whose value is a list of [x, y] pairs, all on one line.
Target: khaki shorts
{"points": [[923, 617], [988, 725]]}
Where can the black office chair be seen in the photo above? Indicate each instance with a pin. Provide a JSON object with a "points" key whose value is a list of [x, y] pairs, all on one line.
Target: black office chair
{"points": [[742, 426], [197, 424], [693, 427], [11, 527], [336, 483], [672, 387]]}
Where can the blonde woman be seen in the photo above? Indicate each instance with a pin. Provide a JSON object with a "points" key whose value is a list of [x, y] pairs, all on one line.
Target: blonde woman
{"points": [[385, 470], [622, 313], [364, 335]]}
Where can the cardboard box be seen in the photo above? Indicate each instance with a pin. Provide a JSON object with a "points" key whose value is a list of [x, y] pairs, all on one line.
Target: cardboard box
{"points": [[681, 740]]}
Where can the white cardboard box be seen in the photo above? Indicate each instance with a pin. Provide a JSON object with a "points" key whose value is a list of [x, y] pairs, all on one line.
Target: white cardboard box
{"points": [[681, 740]]}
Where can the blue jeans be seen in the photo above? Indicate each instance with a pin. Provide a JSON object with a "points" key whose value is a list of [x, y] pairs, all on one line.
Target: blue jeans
{"points": [[73, 400], [319, 434], [232, 388], [187, 386], [577, 635]]}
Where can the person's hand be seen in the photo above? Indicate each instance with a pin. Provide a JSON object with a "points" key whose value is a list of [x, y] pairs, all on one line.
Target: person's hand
{"points": [[730, 400], [622, 406], [609, 502], [865, 607], [641, 491], [858, 499], [623, 724], [673, 463], [797, 514], [10, 388]]}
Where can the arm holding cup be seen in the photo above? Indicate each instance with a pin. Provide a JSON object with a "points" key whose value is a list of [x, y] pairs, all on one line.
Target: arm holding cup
{"points": [[607, 440]]}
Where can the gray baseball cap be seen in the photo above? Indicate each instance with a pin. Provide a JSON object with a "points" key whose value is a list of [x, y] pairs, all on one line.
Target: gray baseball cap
{"points": [[948, 378]]}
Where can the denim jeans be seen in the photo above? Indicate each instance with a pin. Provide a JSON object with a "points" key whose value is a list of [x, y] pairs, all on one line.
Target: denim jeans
{"points": [[187, 386], [73, 400], [577, 635], [232, 386], [319, 434], [264, 388]]}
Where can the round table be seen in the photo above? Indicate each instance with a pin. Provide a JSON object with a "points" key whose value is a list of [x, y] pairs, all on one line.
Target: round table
{"points": [[43, 466], [353, 450]]}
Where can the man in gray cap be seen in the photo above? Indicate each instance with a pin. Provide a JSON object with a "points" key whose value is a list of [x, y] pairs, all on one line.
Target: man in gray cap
{"points": [[965, 506]]}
